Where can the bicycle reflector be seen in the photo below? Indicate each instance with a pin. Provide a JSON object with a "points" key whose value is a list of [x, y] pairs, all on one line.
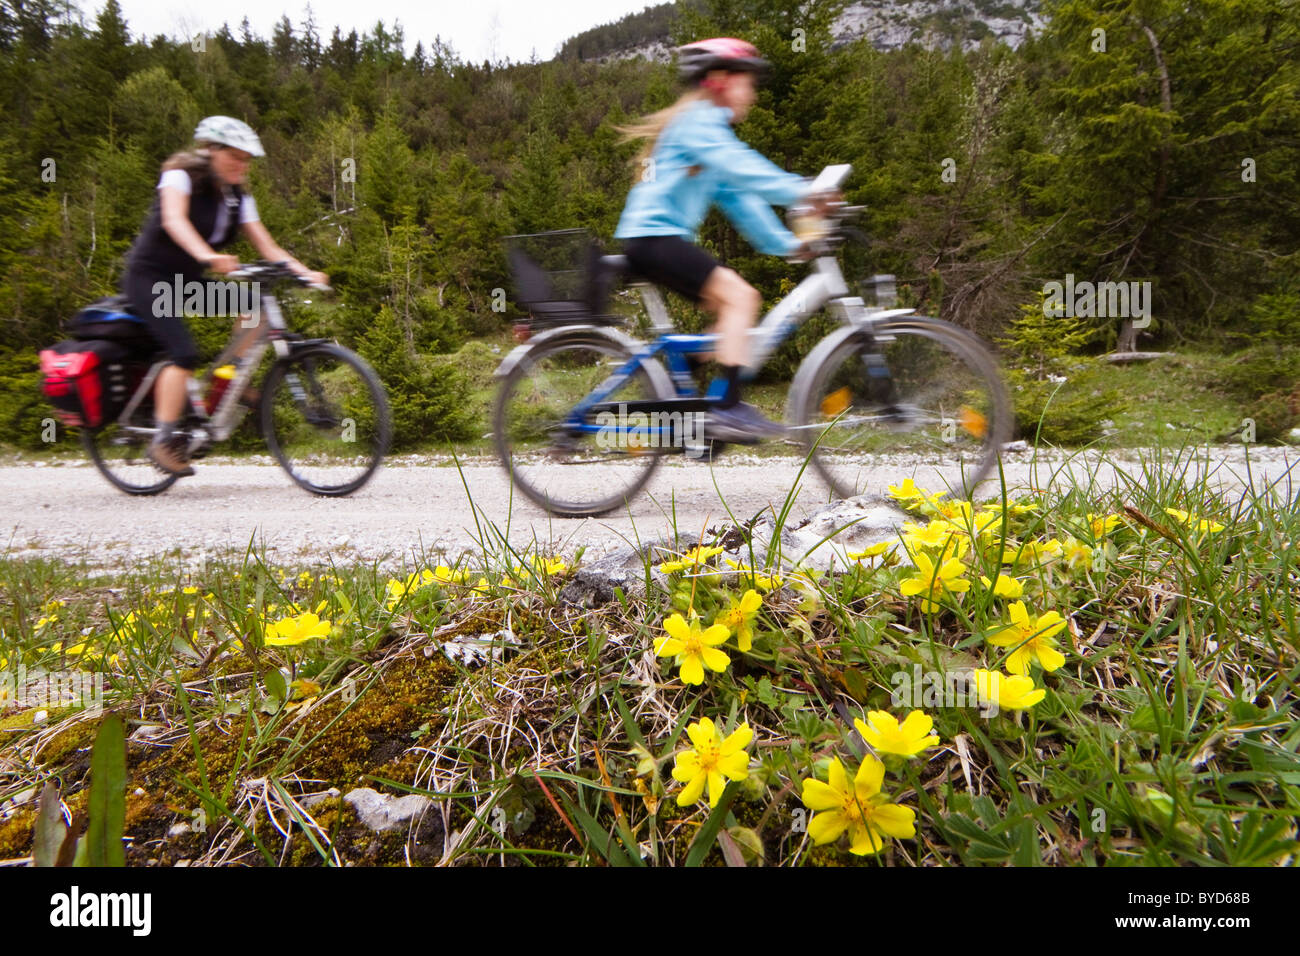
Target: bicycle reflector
{"points": [[973, 422], [836, 402]]}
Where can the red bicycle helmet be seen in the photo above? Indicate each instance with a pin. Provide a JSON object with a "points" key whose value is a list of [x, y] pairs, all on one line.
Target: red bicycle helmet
{"points": [[696, 60]]}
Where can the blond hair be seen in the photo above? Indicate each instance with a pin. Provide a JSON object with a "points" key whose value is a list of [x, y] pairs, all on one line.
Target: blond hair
{"points": [[650, 127]]}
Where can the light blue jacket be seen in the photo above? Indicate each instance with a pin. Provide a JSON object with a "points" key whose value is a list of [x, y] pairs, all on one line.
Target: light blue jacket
{"points": [[698, 161]]}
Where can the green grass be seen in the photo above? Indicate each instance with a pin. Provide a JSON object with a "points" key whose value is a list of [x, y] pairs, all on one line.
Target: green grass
{"points": [[1166, 737]]}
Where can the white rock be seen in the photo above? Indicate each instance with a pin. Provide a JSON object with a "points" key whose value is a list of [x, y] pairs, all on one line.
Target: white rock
{"points": [[178, 830], [381, 811]]}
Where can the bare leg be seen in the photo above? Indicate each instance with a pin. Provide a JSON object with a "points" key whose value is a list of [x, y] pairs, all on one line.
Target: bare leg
{"points": [[170, 393], [736, 304]]}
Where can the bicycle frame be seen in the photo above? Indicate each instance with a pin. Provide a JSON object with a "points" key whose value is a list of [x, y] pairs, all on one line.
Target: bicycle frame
{"points": [[223, 421], [824, 286]]}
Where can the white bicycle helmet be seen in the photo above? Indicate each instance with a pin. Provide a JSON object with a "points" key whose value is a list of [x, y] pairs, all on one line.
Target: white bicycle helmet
{"points": [[229, 131]]}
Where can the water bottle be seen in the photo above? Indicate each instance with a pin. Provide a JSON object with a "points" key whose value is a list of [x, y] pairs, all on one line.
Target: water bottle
{"points": [[220, 382]]}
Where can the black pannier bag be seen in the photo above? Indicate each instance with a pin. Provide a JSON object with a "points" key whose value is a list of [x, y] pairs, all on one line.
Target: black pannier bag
{"points": [[89, 383]]}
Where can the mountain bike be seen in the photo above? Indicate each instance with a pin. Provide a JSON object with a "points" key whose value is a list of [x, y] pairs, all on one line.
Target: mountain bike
{"points": [[584, 412], [321, 409]]}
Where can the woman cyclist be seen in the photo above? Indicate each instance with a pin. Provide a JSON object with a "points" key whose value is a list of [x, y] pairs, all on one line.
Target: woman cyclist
{"points": [[691, 161], [201, 206]]}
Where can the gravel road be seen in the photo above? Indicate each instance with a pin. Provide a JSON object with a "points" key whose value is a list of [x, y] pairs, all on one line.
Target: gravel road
{"points": [[417, 505]]}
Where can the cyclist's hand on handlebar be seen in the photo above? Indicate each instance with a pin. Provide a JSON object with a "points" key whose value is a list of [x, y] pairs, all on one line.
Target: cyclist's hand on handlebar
{"points": [[222, 264], [803, 252], [821, 203], [318, 280]]}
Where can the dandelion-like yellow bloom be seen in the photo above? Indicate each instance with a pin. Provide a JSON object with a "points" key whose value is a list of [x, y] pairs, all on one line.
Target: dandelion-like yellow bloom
{"points": [[291, 631], [1076, 554], [693, 648], [1032, 639], [936, 534], [447, 576], [1035, 553], [1200, 525], [885, 735], [908, 492], [764, 582], [1008, 692], [1103, 525], [931, 582], [859, 808], [712, 759], [739, 616], [875, 551], [1007, 587], [691, 559]]}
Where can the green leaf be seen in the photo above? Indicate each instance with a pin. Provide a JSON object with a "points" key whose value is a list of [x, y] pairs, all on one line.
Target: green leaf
{"points": [[107, 796], [703, 841], [275, 685], [50, 828]]}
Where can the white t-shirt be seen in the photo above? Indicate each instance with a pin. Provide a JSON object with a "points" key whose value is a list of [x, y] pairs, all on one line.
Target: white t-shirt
{"points": [[180, 179]]}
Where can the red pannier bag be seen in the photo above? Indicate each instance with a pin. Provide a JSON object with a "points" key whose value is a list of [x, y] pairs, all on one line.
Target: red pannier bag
{"points": [[86, 382]]}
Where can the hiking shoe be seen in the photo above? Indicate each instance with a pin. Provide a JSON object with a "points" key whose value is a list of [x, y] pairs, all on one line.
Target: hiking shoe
{"points": [[741, 423], [171, 456]]}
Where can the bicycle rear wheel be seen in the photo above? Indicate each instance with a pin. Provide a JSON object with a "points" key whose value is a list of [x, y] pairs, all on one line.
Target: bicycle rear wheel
{"points": [[922, 399], [326, 419], [122, 455], [567, 471], [123, 458]]}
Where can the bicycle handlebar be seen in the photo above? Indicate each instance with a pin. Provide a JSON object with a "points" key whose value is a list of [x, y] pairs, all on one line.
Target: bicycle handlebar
{"points": [[264, 271]]}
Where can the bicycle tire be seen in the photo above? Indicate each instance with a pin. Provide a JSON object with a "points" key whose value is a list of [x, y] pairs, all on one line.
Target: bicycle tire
{"points": [[949, 411], [135, 473], [310, 441], [542, 459]]}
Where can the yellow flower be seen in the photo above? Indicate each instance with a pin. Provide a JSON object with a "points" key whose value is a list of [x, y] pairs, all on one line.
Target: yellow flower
{"points": [[1032, 639], [291, 631], [448, 576], [712, 759], [764, 582], [1076, 554], [693, 649], [303, 687], [875, 551], [1035, 552], [691, 559], [931, 583], [885, 735], [1009, 693], [549, 566], [1102, 525], [936, 534], [1004, 586], [861, 808], [907, 492], [738, 617], [190, 590], [1201, 525]]}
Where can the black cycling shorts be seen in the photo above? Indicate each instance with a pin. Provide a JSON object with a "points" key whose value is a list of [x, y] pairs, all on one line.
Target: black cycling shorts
{"points": [[672, 262], [170, 331]]}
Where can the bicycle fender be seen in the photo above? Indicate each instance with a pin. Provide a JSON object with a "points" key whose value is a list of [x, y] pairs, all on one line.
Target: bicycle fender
{"points": [[663, 385]]}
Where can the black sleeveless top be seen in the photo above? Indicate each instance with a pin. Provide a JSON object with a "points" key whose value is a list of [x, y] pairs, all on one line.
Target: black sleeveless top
{"points": [[156, 253]]}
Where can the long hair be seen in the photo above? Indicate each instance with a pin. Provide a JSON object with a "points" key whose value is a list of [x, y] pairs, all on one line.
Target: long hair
{"points": [[197, 161], [648, 128]]}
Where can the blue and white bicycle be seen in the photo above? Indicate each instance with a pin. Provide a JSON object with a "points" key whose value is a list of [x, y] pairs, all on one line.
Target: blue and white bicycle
{"points": [[584, 412]]}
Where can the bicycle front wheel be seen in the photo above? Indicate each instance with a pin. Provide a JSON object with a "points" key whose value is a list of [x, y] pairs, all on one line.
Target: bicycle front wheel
{"points": [[918, 398], [573, 471], [326, 419]]}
